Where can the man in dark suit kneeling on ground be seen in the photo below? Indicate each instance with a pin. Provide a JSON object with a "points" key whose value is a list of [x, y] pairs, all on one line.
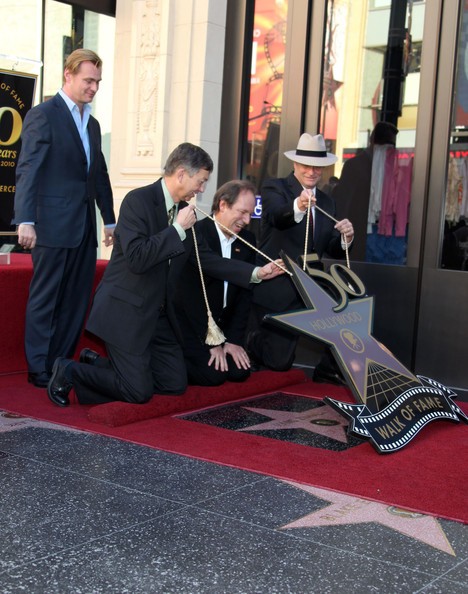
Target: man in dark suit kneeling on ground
{"points": [[229, 304]]}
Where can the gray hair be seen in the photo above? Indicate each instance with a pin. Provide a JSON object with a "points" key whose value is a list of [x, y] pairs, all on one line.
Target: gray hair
{"points": [[190, 157]]}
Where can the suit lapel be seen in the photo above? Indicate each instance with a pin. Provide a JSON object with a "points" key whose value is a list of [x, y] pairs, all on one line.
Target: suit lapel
{"points": [[295, 187], [160, 206], [67, 119], [216, 286], [319, 217], [239, 249], [94, 141], [211, 236]]}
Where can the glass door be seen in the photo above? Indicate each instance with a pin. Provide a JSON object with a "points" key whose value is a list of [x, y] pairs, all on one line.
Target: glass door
{"points": [[368, 116], [442, 339]]}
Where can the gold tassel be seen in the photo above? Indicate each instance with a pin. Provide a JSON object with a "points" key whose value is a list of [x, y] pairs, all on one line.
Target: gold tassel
{"points": [[214, 335]]}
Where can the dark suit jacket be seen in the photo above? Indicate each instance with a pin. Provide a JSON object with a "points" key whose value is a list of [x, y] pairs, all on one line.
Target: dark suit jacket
{"points": [[352, 194], [144, 270], [279, 231], [54, 189], [233, 318]]}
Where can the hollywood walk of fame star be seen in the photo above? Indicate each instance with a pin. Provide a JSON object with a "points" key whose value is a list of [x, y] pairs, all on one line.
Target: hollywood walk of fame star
{"points": [[13, 422], [392, 403], [321, 419], [347, 509], [346, 328]]}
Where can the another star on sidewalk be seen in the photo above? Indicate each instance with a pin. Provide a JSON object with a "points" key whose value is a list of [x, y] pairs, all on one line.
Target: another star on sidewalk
{"points": [[13, 422], [347, 509], [321, 419]]}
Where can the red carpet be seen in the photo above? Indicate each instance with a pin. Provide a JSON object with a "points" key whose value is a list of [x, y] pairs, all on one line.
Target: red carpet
{"points": [[427, 476], [14, 289], [115, 414]]}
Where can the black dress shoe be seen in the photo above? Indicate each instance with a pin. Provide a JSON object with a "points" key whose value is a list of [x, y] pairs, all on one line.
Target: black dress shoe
{"points": [[40, 380], [88, 356], [59, 385], [328, 376]]}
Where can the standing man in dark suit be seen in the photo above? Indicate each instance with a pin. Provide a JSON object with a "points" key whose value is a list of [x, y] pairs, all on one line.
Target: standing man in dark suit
{"points": [[60, 177], [133, 309], [229, 304], [286, 226]]}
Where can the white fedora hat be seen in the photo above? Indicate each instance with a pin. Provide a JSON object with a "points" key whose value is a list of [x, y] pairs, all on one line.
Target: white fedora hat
{"points": [[311, 150]]}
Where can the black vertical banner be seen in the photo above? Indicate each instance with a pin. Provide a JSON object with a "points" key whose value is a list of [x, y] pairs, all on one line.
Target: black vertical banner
{"points": [[16, 99]]}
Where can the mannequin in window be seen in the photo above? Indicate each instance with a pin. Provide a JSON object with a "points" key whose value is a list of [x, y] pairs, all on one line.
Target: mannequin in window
{"points": [[352, 191]]}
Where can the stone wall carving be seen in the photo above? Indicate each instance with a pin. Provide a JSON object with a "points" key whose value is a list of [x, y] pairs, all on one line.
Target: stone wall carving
{"points": [[148, 77]]}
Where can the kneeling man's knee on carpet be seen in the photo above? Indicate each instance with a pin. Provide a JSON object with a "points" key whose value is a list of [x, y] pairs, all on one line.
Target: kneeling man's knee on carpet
{"points": [[137, 394]]}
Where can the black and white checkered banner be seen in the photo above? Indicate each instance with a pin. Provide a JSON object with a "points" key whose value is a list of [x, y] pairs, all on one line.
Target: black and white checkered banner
{"points": [[394, 426]]}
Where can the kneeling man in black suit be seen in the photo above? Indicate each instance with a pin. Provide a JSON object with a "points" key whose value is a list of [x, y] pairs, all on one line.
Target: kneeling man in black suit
{"points": [[228, 303]]}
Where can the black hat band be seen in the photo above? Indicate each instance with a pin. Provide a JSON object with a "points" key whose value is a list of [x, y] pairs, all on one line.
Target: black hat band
{"points": [[302, 153]]}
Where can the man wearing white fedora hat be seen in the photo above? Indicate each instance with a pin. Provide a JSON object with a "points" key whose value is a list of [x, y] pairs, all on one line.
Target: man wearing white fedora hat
{"points": [[286, 226]]}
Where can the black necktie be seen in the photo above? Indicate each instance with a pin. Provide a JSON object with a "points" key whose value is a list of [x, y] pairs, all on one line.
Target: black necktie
{"points": [[171, 214]]}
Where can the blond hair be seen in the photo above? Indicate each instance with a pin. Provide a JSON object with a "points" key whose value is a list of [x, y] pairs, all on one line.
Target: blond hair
{"points": [[74, 60]]}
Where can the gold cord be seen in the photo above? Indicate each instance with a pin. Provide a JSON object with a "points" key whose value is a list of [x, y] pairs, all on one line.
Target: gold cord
{"points": [[214, 334], [306, 239], [243, 241], [343, 236]]}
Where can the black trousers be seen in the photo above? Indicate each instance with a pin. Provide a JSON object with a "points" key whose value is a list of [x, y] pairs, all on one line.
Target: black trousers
{"points": [[59, 296], [201, 374], [275, 348], [271, 347], [132, 377]]}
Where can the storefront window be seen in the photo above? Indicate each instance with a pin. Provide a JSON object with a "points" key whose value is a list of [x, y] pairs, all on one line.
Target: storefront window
{"points": [[371, 75], [266, 89], [455, 245]]}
